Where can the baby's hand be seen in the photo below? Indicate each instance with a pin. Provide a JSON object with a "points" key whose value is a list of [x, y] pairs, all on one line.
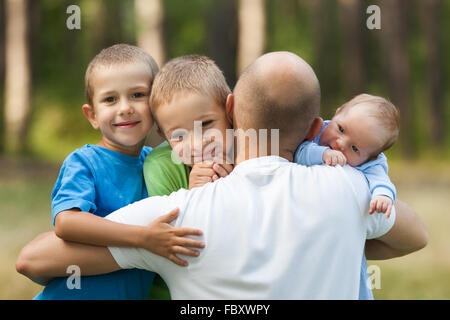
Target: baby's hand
{"points": [[333, 157], [165, 240], [207, 171], [382, 204]]}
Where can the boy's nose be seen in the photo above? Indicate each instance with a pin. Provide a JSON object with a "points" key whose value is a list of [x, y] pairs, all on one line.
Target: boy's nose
{"points": [[125, 107]]}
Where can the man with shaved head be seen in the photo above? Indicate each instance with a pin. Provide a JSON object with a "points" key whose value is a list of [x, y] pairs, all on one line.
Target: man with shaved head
{"points": [[273, 229], [278, 91]]}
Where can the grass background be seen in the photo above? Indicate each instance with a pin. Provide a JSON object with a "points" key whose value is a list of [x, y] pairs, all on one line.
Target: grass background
{"points": [[25, 190]]}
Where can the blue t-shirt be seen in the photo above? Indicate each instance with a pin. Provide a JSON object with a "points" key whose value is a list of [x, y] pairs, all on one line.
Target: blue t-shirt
{"points": [[100, 181]]}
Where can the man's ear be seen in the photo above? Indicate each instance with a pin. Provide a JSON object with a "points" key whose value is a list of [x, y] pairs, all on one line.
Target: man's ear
{"points": [[229, 106], [89, 113], [315, 128]]}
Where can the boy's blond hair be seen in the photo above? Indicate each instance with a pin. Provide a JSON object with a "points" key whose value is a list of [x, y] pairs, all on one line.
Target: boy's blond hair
{"points": [[191, 73], [384, 112], [115, 55]]}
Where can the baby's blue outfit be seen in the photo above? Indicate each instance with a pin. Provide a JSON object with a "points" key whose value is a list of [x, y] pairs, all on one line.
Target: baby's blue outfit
{"points": [[310, 153], [100, 181]]}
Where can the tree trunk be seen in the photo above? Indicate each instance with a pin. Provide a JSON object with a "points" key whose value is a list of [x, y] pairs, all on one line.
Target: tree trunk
{"points": [[2, 40], [2, 72], [352, 14], [252, 32], [149, 19], [394, 37], [17, 76], [222, 35], [431, 23], [149, 34], [94, 19]]}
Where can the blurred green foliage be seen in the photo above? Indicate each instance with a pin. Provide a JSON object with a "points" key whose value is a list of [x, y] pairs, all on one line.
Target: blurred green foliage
{"points": [[60, 57]]}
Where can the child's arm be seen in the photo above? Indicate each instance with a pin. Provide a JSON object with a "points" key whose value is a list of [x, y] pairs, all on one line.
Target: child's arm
{"points": [[310, 153], [382, 189], [159, 237], [48, 256]]}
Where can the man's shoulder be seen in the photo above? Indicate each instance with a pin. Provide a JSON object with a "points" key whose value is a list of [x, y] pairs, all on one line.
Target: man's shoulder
{"points": [[334, 175]]}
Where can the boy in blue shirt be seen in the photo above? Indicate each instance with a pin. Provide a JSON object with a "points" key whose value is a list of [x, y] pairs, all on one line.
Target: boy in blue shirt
{"points": [[359, 132], [96, 180]]}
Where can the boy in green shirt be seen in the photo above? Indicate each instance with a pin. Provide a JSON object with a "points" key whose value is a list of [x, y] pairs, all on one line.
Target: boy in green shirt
{"points": [[188, 102]]}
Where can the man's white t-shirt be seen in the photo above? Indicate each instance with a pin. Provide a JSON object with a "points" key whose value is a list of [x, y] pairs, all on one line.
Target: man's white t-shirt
{"points": [[273, 230]]}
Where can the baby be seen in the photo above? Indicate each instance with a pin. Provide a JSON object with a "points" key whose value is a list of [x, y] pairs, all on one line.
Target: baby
{"points": [[359, 132]]}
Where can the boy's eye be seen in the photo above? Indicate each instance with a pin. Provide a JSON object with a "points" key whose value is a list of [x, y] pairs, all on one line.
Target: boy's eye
{"points": [[206, 123], [340, 129], [109, 99], [355, 149], [138, 95]]}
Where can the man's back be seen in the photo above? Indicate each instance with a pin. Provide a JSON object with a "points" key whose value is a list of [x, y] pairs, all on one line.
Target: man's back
{"points": [[273, 230]]}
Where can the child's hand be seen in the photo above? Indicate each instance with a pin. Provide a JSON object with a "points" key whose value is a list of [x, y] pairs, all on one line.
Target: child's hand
{"points": [[202, 173], [165, 240], [333, 157], [381, 204], [207, 171]]}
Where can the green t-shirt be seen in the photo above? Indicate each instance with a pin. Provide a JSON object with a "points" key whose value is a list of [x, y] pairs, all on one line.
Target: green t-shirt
{"points": [[162, 175]]}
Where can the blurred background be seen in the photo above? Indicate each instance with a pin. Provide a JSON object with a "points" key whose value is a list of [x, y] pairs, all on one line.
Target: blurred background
{"points": [[42, 65]]}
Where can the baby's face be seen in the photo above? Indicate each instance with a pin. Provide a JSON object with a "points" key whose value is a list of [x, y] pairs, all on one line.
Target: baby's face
{"points": [[121, 107], [354, 133], [195, 127]]}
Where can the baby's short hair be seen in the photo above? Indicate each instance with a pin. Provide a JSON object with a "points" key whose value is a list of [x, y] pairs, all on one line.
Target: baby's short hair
{"points": [[117, 54], [384, 112], [194, 73]]}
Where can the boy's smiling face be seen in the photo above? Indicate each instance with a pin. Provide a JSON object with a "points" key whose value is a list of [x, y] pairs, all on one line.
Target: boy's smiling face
{"points": [[178, 123], [354, 133], [121, 109]]}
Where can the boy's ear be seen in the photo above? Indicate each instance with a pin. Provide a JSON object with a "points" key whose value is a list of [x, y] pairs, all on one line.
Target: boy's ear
{"points": [[229, 106], [89, 113], [315, 128]]}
